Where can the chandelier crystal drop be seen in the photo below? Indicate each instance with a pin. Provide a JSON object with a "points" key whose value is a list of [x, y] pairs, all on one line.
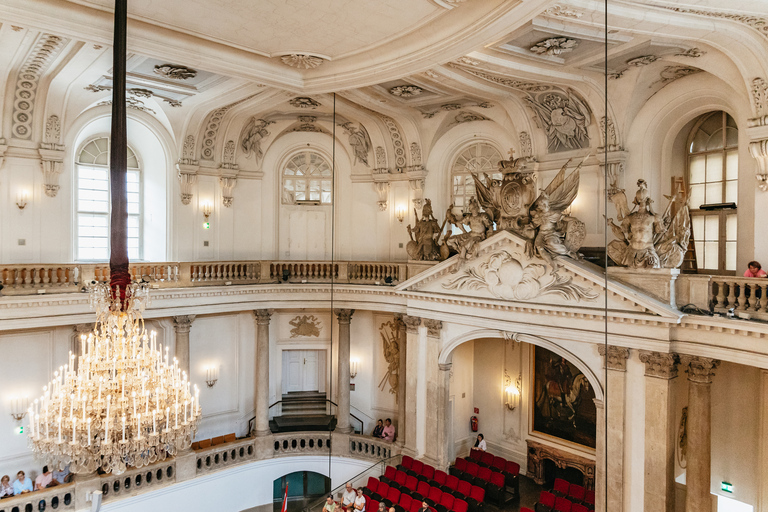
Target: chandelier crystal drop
{"points": [[125, 405]]}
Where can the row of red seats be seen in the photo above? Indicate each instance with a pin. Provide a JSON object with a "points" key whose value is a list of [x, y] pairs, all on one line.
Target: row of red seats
{"points": [[441, 479], [472, 472], [405, 504], [574, 492], [510, 469], [434, 496], [548, 502]]}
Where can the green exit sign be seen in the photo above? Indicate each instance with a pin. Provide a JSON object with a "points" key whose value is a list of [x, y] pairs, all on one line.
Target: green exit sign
{"points": [[726, 486], [18, 430]]}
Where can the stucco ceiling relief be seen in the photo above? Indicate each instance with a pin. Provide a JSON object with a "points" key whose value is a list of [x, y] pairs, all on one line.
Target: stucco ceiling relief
{"points": [[554, 46], [302, 61], [175, 71]]}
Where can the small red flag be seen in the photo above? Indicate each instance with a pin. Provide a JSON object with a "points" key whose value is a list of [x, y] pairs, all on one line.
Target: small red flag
{"points": [[284, 508]]}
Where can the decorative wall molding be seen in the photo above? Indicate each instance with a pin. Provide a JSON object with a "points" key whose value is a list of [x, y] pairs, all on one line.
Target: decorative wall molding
{"points": [[565, 12], [188, 151], [512, 83], [406, 91], [390, 338], [175, 72], [758, 23], [396, 138], [693, 53], [467, 116], [227, 184], [641, 61], [415, 153], [302, 61], [38, 60], [305, 326], [304, 102], [760, 96], [381, 157], [212, 125], [554, 46], [526, 146], [672, 73], [52, 155]]}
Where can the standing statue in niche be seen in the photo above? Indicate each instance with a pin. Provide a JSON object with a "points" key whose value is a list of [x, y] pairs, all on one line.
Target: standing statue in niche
{"points": [[253, 133], [425, 236], [645, 239], [359, 140], [480, 227]]}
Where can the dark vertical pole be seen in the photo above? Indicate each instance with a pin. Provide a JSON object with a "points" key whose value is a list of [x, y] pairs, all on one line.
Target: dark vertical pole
{"points": [[118, 259]]}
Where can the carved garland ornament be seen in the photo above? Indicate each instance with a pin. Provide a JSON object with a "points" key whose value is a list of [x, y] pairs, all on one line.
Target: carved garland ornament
{"points": [[554, 46], [559, 10], [304, 102], [305, 325], [756, 22]]}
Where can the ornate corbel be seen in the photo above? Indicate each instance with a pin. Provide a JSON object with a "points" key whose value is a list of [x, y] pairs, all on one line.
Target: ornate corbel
{"points": [[759, 151], [227, 186], [382, 189], [416, 176], [187, 180], [52, 161], [613, 164]]}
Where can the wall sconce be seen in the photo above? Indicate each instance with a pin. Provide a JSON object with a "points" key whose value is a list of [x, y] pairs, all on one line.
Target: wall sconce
{"points": [[19, 408], [354, 365], [21, 199], [512, 392], [211, 375], [400, 213], [207, 210]]}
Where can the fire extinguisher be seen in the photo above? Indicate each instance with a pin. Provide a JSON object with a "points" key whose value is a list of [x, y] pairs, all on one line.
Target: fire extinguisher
{"points": [[473, 423]]}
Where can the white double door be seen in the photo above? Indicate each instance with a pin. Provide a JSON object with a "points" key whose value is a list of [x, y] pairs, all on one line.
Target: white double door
{"points": [[303, 370]]}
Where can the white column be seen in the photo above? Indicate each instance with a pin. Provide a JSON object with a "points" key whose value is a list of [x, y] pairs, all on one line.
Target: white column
{"points": [[181, 326], [344, 317], [432, 448], [660, 430], [412, 324], [443, 405], [401, 376], [599, 456], [262, 371], [699, 454], [615, 359]]}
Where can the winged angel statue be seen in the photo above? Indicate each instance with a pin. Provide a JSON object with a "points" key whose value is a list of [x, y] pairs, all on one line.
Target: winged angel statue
{"points": [[541, 221], [645, 239]]}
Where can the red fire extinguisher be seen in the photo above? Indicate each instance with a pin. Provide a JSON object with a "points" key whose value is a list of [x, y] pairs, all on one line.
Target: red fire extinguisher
{"points": [[473, 423]]}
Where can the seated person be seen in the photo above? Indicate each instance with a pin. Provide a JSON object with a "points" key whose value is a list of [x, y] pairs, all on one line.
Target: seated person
{"points": [[330, 505], [388, 434], [754, 269], [480, 443], [378, 429], [22, 484], [44, 480], [348, 498], [63, 476], [360, 501], [6, 489], [382, 507]]}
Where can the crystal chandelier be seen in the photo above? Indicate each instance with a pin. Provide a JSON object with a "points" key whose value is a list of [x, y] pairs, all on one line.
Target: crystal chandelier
{"points": [[125, 405]]}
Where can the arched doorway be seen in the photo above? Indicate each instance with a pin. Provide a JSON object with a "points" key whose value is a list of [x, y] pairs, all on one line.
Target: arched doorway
{"points": [[304, 487]]}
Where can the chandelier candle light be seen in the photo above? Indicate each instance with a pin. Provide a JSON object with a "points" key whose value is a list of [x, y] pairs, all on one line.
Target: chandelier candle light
{"points": [[126, 404]]}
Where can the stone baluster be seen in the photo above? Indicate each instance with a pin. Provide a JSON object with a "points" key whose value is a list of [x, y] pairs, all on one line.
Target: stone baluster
{"points": [[262, 372], [615, 360], [181, 327], [412, 324], [660, 429], [700, 372], [344, 317], [731, 294]]}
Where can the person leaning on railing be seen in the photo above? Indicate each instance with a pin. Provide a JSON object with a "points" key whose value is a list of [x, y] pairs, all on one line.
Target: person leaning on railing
{"points": [[754, 269], [22, 484], [6, 489], [388, 434], [378, 429]]}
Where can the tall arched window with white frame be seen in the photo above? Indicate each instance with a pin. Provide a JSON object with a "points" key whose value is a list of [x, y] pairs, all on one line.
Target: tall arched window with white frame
{"points": [[307, 178], [713, 172], [480, 158], [92, 196]]}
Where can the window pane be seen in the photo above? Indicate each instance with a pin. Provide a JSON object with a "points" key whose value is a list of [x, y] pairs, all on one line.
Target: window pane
{"points": [[715, 140], [714, 192], [697, 167], [730, 227], [711, 229], [732, 165], [326, 197], [699, 246], [731, 191], [698, 227], [731, 136], [730, 256], [715, 167], [710, 255], [697, 196]]}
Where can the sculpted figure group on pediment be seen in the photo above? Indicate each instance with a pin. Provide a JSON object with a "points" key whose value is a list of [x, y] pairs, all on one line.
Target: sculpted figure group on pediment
{"points": [[511, 204]]}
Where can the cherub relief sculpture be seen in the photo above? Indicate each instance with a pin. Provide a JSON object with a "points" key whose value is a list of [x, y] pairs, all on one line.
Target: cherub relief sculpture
{"points": [[253, 133], [359, 140], [480, 227], [645, 239], [564, 117], [425, 236]]}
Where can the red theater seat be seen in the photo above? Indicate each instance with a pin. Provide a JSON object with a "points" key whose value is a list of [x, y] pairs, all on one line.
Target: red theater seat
{"points": [[561, 487], [563, 505], [576, 492], [460, 506]]}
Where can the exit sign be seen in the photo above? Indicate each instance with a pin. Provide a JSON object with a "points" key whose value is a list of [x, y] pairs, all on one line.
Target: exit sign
{"points": [[726, 487], [18, 430]]}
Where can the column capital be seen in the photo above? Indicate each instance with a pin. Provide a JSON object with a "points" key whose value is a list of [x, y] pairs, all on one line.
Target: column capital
{"points": [[615, 358], [699, 369], [433, 327], [658, 364], [183, 323], [445, 367], [399, 322], [262, 316], [412, 323], [344, 315]]}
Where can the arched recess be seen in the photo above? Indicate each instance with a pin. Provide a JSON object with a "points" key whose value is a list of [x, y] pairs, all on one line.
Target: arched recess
{"points": [[594, 381], [156, 148]]}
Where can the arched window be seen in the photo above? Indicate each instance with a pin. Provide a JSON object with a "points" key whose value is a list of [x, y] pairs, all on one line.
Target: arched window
{"points": [[92, 169], [479, 158], [713, 172], [307, 179]]}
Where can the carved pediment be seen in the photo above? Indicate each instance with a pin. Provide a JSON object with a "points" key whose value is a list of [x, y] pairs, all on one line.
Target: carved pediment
{"points": [[504, 271]]}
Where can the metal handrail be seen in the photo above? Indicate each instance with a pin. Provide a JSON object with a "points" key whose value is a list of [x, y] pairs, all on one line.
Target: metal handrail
{"points": [[250, 421]]}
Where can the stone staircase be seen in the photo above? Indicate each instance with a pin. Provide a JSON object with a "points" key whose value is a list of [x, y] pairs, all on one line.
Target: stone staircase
{"points": [[303, 411], [304, 403]]}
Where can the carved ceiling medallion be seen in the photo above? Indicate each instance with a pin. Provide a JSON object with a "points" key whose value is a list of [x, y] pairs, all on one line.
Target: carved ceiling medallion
{"points": [[303, 102], [175, 72], [554, 46], [302, 61], [642, 61], [406, 91]]}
